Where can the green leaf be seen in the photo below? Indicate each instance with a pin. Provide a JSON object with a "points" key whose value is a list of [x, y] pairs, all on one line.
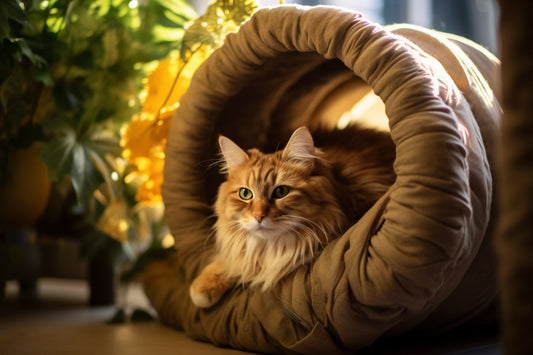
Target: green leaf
{"points": [[103, 146], [13, 11], [84, 175], [57, 155], [36, 59], [44, 77], [71, 155], [180, 8], [10, 10]]}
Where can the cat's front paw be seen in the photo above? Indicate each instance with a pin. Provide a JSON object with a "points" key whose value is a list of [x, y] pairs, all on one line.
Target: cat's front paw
{"points": [[201, 296], [209, 286]]}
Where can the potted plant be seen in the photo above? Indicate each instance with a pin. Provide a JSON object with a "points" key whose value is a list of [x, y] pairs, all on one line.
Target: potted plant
{"points": [[70, 77]]}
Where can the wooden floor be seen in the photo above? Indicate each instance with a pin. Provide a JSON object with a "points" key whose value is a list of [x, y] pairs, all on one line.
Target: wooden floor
{"points": [[60, 322]]}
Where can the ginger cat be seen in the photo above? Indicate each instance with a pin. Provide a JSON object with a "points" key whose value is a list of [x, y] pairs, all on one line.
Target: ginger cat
{"points": [[276, 211]]}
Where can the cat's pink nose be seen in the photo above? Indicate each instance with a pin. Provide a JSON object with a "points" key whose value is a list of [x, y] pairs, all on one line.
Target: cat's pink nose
{"points": [[259, 217]]}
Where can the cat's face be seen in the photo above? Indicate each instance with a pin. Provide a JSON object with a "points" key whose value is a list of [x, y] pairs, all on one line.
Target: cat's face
{"points": [[279, 195], [265, 197]]}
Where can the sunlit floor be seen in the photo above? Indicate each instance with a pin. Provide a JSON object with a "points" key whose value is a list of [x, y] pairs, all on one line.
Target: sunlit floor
{"points": [[60, 322]]}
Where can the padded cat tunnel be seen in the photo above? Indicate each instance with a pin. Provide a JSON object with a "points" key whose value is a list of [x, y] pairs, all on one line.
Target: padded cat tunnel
{"points": [[420, 259]]}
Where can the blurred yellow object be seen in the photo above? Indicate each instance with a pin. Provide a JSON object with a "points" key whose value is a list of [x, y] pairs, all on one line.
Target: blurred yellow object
{"points": [[141, 135], [25, 196], [165, 86], [144, 138], [168, 241], [115, 221], [150, 188]]}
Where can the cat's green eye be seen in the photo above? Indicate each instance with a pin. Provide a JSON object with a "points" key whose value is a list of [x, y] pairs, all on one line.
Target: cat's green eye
{"points": [[280, 191], [245, 193]]}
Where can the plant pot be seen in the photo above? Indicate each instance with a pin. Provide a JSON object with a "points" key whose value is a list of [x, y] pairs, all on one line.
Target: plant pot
{"points": [[24, 197]]}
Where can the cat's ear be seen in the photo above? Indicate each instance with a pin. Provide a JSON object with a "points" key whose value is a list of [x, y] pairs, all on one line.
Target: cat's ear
{"points": [[300, 148], [232, 153]]}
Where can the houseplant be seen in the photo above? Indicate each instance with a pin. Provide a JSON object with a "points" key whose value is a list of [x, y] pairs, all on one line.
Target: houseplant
{"points": [[70, 74]]}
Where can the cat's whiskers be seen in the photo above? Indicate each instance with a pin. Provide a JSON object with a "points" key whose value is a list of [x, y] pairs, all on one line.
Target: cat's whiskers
{"points": [[305, 235], [212, 231], [324, 231], [231, 226]]}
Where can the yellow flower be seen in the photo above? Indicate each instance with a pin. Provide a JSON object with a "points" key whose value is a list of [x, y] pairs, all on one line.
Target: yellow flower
{"points": [[150, 187], [158, 91], [137, 138], [144, 138], [168, 82]]}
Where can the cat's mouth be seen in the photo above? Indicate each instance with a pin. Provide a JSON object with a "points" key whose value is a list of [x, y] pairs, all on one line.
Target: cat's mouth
{"points": [[262, 226], [265, 228]]}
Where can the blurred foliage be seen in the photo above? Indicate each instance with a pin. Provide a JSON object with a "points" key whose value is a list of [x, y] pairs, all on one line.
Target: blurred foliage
{"points": [[70, 74], [96, 83], [221, 17]]}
